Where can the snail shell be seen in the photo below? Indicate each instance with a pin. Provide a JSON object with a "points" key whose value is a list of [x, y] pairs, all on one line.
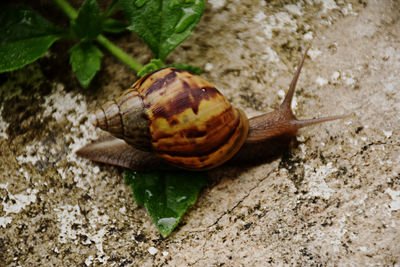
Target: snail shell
{"points": [[179, 116]]}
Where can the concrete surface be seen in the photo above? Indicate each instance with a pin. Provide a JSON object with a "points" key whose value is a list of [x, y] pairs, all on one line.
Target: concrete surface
{"points": [[333, 199]]}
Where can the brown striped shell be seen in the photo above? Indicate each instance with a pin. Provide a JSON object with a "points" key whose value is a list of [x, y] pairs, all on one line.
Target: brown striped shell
{"points": [[179, 116]]}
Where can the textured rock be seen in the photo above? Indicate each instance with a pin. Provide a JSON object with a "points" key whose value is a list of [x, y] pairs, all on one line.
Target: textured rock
{"points": [[333, 199]]}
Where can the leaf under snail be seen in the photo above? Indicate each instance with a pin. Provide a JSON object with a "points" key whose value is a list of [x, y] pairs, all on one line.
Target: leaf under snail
{"points": [[174, 117]]}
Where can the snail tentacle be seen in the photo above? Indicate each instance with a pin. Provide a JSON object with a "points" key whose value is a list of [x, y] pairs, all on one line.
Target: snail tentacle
{"points": [[282, 122], [287, 102]]}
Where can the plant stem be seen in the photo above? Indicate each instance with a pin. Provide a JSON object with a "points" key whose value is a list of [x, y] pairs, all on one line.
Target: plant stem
{"points": [[101, 39], [111, 9], [67, 8], [119, 53]]}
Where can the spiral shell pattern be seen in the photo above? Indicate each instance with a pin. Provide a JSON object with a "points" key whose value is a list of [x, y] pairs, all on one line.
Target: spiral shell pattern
{"points": [[178, 115]]}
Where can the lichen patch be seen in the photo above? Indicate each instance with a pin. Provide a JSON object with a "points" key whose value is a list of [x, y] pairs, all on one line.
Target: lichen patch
{"points": [[315, 180], [15, 203], [4, 221], [395, 203], [71, 223], [327, 5], [217, 3], [3, 125]]}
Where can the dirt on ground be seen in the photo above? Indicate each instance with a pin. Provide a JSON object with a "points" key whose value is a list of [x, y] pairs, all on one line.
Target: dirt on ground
{"points": [[332, 199]]}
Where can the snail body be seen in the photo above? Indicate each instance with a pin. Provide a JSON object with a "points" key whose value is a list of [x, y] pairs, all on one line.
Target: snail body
{"points": [[185, 121]]}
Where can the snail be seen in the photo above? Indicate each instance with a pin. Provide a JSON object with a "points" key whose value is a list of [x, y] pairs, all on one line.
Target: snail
{"points": [[175, 117]]}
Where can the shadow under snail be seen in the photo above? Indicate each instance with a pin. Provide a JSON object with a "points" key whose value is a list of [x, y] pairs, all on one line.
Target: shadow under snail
{"points": [[175, 117]]}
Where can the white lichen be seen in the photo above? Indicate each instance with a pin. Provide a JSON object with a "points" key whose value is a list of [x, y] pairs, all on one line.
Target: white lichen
{"points": [[388, 134], [152, 250], [208, 66], [259, 17], [3, 125], [122, 210], [270, 55], [313, 53], [71, 225], [281, 21], [294, 9], [315, 180], [349, 81], [281, 93], [16, 203], [4, 221], [89, 260], [335, 77], [165, 253], [348, 10], [303, 148], [308, 36], [327, 5], [217, 3], [395, 203], [33, 153], [321, 81], [67, 216], [58, 104]]}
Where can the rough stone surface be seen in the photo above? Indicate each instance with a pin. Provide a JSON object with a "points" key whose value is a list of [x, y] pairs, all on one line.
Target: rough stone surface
{"points": [[333, 199]]}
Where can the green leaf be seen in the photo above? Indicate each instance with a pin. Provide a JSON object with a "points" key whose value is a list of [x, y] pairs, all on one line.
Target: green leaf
{"points": [[155, 64], [188, 67], [163, 24], [111, 9], [88, 24], [114, 26], [166, 196], [24, 37], [85, 61]]}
